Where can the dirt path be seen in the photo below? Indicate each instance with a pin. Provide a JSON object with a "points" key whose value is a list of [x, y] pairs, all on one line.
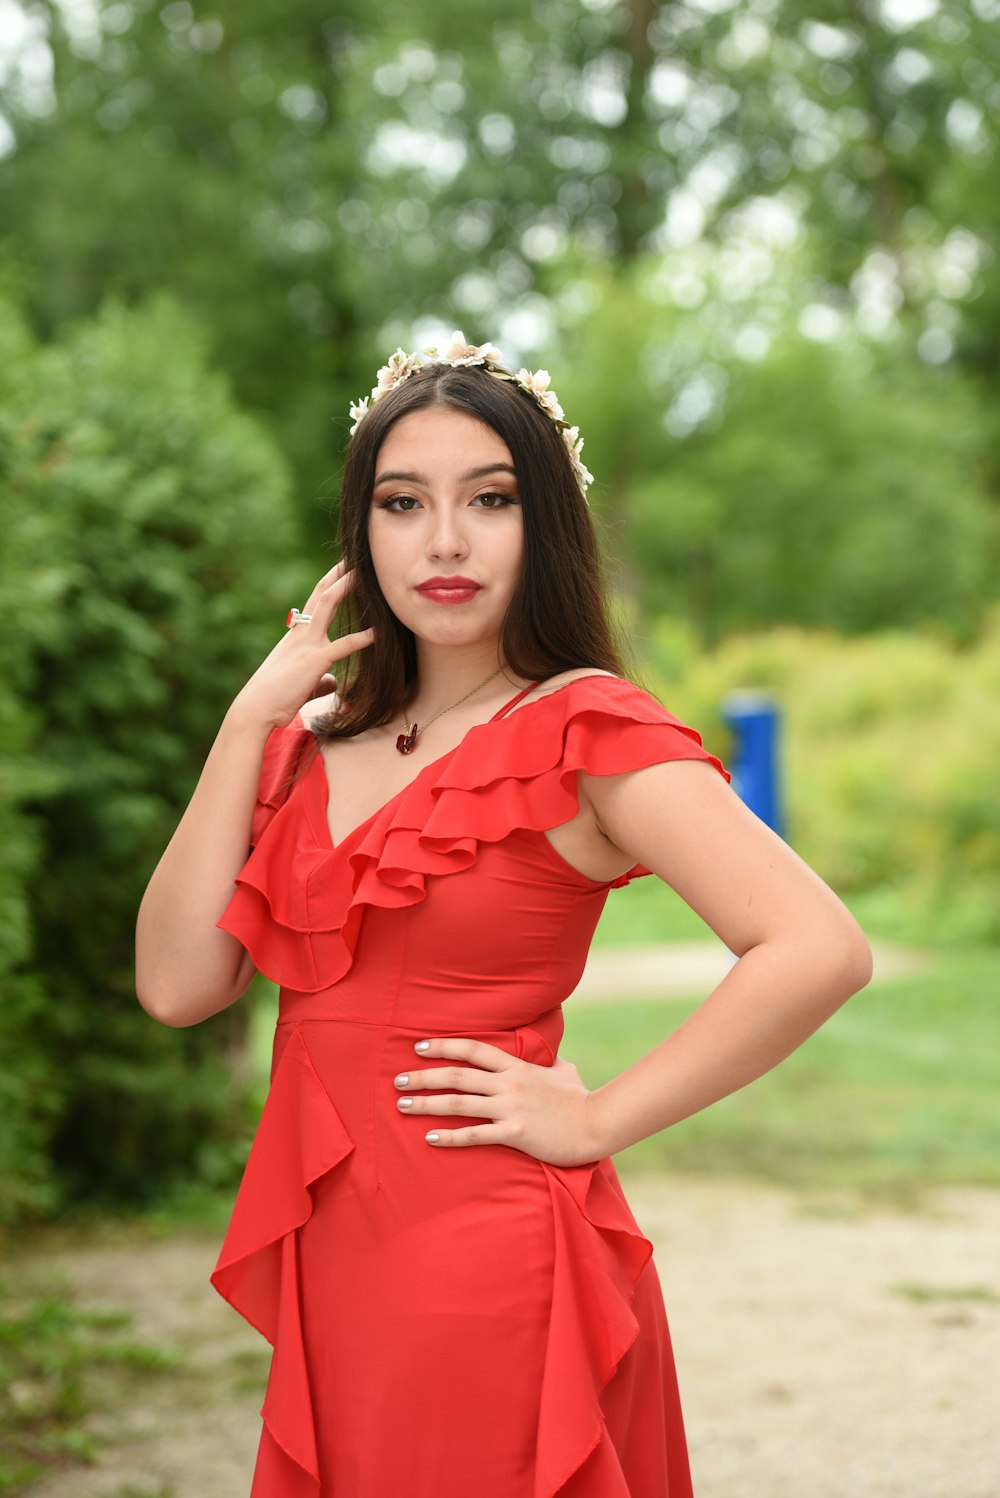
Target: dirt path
{"points": [[821, 1356]]}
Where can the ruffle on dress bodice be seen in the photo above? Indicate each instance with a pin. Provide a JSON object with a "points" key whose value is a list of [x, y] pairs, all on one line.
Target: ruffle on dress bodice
{"points": [[299, 901]]}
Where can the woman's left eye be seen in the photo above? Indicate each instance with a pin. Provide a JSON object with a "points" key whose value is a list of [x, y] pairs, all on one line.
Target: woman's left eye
{"points": [[496, 501]]}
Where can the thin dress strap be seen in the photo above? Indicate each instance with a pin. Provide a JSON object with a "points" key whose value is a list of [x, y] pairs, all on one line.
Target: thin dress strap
{"points": [[513, 701]]}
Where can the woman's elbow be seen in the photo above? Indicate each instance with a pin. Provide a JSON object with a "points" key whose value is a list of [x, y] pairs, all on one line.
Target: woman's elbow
{"points": [[855, 959], [163, 1007], [862, 966], [162, 1003], [180, 989]]}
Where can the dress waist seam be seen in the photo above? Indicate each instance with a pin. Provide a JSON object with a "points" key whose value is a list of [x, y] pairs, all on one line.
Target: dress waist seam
{"points": [[342, 1019], [338, 1019]]}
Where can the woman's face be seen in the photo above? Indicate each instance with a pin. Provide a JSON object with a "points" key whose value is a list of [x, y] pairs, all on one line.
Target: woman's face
{"points": [[446, 508]]}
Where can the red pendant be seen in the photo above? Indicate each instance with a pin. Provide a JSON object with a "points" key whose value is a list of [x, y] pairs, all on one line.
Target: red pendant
{"points": [[407, 741]]}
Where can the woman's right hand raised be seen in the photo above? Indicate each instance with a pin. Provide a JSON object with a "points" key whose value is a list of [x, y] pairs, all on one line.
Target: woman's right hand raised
{"points": [[293, 673]]}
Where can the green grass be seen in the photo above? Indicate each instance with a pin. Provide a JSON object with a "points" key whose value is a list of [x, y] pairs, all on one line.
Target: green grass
{"points": [[54, 1356], [897, 1092], [979, 1295], [647, 912]]}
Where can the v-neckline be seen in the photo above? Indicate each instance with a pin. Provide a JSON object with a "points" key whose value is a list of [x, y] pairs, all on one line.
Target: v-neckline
{"points": [[431, 764]]}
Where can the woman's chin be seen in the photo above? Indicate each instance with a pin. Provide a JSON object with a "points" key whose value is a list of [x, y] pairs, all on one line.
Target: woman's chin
{"points": [[449, 624], [454, 633]]}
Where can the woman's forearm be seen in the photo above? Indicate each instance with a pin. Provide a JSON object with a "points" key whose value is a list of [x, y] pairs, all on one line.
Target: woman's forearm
{"points": [[186, 968], [772, 1000]]}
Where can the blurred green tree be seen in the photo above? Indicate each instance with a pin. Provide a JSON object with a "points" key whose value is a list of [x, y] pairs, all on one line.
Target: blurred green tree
{"points": [[314, 182], [840, 483]]}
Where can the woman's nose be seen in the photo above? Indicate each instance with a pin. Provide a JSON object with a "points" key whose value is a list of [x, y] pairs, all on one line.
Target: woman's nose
{"points": [[446, 537]]}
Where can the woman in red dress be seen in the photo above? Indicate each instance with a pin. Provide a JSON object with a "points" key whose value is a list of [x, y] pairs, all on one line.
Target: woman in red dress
{"points": [[430, 1230]]}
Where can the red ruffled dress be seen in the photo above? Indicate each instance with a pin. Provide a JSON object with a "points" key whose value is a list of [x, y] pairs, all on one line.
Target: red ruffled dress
{"points": [[469, 1323]]}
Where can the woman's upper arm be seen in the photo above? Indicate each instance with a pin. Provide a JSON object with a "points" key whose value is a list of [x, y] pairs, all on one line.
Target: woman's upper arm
{"points": [[681, 820]]}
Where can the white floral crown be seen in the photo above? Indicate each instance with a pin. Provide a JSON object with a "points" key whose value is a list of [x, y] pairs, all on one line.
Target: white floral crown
{"points": [[459, 353]]}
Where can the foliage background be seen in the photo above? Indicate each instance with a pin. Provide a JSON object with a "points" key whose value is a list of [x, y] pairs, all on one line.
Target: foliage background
{"points": [[756, 243]]}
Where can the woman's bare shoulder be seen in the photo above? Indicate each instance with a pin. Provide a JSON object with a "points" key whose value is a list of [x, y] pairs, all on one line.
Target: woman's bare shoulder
{"points": [[576, 674], [554, 683]]}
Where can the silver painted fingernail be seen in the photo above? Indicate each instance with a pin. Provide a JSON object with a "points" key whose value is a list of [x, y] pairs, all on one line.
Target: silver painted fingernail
{"points": [[405, 1102], [403, 1080]]}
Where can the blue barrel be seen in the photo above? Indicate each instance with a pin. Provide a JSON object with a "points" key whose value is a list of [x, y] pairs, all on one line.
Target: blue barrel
{"points": [[755, 720]]}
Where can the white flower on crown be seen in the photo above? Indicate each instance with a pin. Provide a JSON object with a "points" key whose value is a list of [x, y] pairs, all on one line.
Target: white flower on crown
{"points": [[359, 409], [574, 446], [461, 354], [537, 384], [399, 366]]}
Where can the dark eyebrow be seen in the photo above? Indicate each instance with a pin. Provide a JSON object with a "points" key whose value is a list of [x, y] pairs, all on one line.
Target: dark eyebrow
{"points": [[397, 476]]}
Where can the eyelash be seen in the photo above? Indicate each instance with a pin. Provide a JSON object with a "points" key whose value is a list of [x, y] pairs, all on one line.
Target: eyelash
{"points": [[507, 499]]}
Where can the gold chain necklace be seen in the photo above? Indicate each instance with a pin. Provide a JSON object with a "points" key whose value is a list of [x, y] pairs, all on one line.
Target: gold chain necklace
{"points": [[406, 741]]}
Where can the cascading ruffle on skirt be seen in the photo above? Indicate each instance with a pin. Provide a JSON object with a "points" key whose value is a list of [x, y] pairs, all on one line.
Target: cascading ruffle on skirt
{"points": [[299, 1139], [600, 1253]]}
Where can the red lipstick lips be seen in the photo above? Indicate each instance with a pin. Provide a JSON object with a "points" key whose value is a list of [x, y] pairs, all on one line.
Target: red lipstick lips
{"points": [[449, 589]]}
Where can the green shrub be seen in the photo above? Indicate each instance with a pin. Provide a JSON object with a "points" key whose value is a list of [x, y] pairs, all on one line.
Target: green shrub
{"points": [[150, 572], [28, 1100], [888, 755]]}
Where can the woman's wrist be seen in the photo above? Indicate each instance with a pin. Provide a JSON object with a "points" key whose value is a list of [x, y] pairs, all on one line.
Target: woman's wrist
{"points": [[614, 1125], [243, 722], [600, 1144]]}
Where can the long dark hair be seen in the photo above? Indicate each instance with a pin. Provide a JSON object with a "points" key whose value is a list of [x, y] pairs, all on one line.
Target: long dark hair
{"points": [[558, 617]]}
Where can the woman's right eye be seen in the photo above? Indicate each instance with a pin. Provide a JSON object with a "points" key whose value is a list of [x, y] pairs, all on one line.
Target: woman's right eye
{"points": [[403, 501]]}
